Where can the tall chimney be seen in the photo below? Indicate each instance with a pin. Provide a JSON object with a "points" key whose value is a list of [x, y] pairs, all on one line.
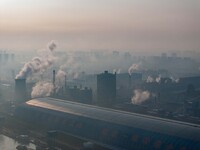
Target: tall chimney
{"points": [[54, 80], [20, 90], [129, 81], [65, 82]]}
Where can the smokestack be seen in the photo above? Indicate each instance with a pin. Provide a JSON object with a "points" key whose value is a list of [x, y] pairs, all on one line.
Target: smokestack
{"points": [[129, 81], [20, 90], [65, 82], [54, 77], [54, 80]]}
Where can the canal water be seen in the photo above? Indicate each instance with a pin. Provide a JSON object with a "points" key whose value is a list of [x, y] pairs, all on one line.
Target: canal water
{"points": [[7, 143]]}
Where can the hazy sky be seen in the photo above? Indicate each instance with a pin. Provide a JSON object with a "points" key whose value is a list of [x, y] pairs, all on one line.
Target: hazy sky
{"points": [[100, 24]]}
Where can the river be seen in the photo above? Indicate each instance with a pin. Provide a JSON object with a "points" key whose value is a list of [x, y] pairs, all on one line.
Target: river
{"points": [[7, 143]]}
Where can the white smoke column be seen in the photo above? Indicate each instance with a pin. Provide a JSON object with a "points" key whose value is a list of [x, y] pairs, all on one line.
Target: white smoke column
{"points": [[174, 80], [72, 67], [118, 71], [75, 75], [140, 96], [177, 80], [158, 79], [51, 46], [149, 79], [133, 68], [38, 64], [42, 89], [60, 78]]}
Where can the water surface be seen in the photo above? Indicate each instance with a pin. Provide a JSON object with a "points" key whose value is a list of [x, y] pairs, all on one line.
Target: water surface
{"points": [[7, 143]]}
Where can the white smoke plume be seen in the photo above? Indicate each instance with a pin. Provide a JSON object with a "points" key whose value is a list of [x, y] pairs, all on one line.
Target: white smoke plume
{"points": [[75, 75], [72, 67], [42, 89], [60, 78], [38, 64], [140, 96], [158, 79], [174, 80], [133, 68], [51, 46], [150, 79]]}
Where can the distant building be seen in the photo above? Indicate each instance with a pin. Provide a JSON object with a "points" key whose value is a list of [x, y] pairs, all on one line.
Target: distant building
{"points": [[127, 55], [164, 55], [115, 53], [106, 89], [192, 108], [6, 57], [126, 80], [12, 57], [136, 76], [82, 95]]}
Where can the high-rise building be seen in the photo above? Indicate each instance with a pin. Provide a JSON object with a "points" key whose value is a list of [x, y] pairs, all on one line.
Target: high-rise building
{"points": [[106, 89]]}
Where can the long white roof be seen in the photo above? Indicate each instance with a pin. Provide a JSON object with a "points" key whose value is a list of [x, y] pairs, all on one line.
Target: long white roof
{"points": [[159, 125]]}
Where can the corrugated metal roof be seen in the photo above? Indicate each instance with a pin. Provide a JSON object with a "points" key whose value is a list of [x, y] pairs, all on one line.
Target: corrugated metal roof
{"points": [[164, 126]]}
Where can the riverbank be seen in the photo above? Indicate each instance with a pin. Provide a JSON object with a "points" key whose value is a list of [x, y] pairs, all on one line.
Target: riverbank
{"points": [[7, 143], [13, 127]]}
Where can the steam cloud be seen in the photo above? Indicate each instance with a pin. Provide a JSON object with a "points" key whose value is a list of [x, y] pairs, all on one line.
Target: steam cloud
{"points": [[158, 79], [42, 89], [72, 66], [133, 68], [60, 77], [38, 64], [174, 80], [151, 79], [140, 96]]}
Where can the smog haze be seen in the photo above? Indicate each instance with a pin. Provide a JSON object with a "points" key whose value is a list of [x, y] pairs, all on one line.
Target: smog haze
{"points": [[135, 25]]}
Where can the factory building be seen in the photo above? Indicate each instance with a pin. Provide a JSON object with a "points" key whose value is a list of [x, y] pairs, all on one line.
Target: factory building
{"points": [[129, 81], [82, 95], [106, 89], [6, 57], [110, 128], [76, 94]]}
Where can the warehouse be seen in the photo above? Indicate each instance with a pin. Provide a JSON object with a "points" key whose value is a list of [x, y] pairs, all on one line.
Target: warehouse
{"points": [[110, 128]]}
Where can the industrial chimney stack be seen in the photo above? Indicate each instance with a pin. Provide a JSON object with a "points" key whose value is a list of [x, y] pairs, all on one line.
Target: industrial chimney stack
{"points": [[130, 81], [65, 82], [54, 80], [20, 90]]}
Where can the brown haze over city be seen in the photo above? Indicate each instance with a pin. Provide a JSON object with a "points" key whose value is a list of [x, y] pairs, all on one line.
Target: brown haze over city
{"points": [[157, 25]]}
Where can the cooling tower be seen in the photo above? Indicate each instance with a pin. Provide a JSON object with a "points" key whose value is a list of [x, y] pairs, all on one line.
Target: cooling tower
{"points": [[20, 90]]}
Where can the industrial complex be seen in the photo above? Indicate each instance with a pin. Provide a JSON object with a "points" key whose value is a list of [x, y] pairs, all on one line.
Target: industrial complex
{"points": [[137, 109]]}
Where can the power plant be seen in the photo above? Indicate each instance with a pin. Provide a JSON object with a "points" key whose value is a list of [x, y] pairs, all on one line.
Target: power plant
{"points": [[114, 75], [102, 108]]}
